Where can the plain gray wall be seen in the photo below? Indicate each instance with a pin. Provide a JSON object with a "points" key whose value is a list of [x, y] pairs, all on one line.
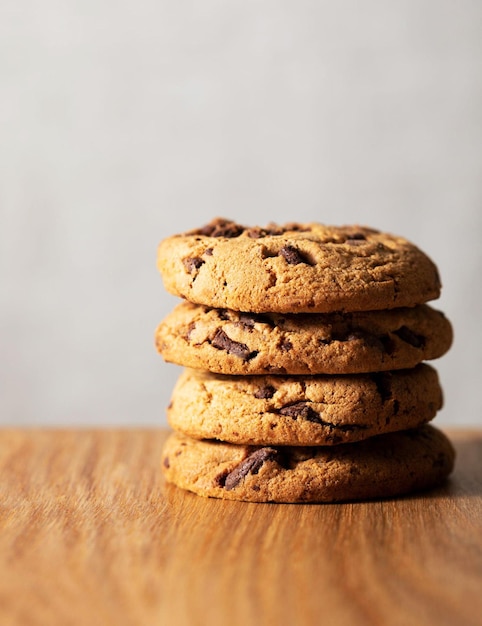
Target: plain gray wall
{"points": [[124, 122]]}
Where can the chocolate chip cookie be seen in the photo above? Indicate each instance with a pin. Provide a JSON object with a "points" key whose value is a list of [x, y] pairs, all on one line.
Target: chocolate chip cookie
{"points": [[383, 466], [302, 411], [230, 342], [296, 268]]}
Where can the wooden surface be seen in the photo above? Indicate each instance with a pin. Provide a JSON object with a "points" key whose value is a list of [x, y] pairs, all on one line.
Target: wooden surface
{"points": [[90, 534]]}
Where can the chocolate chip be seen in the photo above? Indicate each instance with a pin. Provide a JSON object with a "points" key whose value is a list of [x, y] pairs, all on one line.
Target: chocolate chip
{"points": [[192, 263], [286, 345], [293, 256], [356, 237], [407, 335], [265, 392], [301, 410], [166, 462], [248, 320], [306, 412], [257, 233], [208, 251], [222, 342], [251, 465], [383, 381], [190, 330], [221, 228]]}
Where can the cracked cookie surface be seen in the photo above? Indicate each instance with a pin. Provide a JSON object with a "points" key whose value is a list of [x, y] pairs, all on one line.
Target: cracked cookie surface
{"points": [[383, 466], [229, 342], [296, 268], [302, 411]]}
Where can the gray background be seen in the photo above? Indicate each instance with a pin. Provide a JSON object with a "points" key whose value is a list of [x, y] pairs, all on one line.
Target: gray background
{"points": [[124, 122]]}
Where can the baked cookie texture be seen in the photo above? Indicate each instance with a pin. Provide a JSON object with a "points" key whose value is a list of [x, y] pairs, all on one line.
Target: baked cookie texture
{"points": [[304, 349], [230, 342], [302, 411], [296, 268], [379, 467]]}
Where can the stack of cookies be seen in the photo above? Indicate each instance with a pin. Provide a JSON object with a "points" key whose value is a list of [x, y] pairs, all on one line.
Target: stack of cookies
{"points": [[304, 349]]}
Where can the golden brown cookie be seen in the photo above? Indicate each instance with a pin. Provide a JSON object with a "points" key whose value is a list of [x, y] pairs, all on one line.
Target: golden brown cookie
{"points": [[302, 411], [229, 342], [379, 467], [296, 268]]}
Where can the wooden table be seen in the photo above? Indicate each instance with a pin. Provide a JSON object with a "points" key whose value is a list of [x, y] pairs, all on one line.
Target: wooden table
{"points": [[91, 535]]}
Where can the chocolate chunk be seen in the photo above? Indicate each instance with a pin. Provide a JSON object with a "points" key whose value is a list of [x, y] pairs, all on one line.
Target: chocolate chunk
{"points": [[251, 465], [286, 345], [192, 263], [357, 236], [222, 342], [264, 393], [257, 233], [220, 228], [301, 410], [306, 412], [248, 320], [293, 256], [190, 330], [383, 381], [407, 335]]}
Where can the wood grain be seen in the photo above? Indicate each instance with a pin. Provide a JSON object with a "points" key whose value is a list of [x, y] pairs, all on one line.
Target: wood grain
{"points": [[91, 534]]}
